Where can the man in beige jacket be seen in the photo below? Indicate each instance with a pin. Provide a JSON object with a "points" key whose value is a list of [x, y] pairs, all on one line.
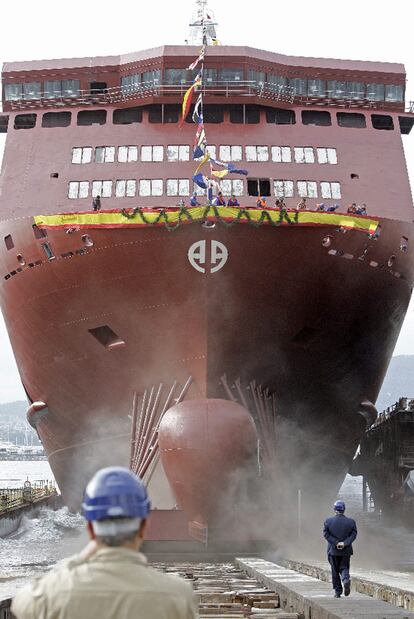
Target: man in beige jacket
{"points": [[110, 579]]}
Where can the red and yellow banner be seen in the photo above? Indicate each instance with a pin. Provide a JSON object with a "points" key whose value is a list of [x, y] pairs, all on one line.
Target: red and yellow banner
{"points": [[141, 218]]}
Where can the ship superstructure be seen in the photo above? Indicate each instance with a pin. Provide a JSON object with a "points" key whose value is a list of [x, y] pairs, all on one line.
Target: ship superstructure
{"points": [[292, 314]]}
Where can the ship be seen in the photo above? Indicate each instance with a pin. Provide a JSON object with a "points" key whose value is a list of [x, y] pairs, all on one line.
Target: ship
{"points": [[227, 353]]}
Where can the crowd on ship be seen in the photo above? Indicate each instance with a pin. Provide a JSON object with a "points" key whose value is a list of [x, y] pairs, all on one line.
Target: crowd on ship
{"points": [[280, 204], [261, 203]]}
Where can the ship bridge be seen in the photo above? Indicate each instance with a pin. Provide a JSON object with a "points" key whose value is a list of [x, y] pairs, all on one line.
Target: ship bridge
{"points": [[232, 74]]}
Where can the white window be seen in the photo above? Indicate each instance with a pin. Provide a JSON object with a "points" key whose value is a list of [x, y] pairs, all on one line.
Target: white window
{"points": [[178, 153], [126, 189], [152, 153], [327, 155], [257, 153], [104, 154], [331, 190], [13, 92], [127, 154], [178, 187], [211, 150], [283, 189], [82, 155], [304, 154], [229, 187], [150, 187], [78, 189], [31, 90], [307, 189], [102, 188], [281, 154], [230, 153]]}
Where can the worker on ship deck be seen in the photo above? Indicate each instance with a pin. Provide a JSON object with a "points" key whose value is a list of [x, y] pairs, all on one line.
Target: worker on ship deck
{"points": [[233, 201], [280, 204], [96, 203], [219, 200], [340, 532], [194, 200], [261, 202], [110, 579], [361, 210], [352, 208]]}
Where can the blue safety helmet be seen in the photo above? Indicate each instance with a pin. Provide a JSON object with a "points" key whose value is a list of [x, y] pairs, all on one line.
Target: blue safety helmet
{"points": [[339, 506], [115, 492]]}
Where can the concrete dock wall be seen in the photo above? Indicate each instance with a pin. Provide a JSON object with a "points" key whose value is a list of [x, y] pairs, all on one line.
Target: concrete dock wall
{"points": [[312, 598], [380, 591]]}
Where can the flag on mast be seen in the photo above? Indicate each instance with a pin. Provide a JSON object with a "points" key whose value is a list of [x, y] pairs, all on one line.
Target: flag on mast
{"points": [[198, 60], [219, 173], [198, 114], [188, 97], [200, 142]]}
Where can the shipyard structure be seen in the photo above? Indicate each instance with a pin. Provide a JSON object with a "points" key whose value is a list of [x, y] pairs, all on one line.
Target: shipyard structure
{"points": [[240, 346]]}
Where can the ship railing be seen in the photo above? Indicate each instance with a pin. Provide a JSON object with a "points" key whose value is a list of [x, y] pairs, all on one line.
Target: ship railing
{"points": [[224, 89], [142, 91]]}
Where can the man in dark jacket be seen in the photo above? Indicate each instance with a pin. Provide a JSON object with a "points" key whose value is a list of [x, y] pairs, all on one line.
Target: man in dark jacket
{"points": [[340, 532]]}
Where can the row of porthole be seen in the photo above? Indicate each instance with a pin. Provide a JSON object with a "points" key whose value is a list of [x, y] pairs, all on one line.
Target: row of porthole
{"points": [[79, 252], [19, 269], [327, 240], [39, 233], [86, 239], [373, 263]]}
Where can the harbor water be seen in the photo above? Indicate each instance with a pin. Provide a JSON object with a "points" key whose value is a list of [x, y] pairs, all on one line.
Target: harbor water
{"points": [[43, 539], [49, 536]]}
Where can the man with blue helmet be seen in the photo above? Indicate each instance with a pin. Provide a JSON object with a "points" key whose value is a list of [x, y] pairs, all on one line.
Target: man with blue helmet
{"points": [[340, 531], [111, 578]]}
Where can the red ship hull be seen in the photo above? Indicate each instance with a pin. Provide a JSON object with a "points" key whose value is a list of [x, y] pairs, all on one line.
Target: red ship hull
{"points": [[315, 328], [116, 325]]}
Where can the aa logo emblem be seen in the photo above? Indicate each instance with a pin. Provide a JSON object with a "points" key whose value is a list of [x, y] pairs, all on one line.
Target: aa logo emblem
{"points": [[217, 258]]}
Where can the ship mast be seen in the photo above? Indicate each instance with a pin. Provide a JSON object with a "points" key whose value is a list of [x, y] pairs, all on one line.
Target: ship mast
{"points": [[203, 26]]}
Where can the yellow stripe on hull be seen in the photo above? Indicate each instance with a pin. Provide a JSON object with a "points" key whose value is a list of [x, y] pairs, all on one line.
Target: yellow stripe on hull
{"points": [[172, 218]]}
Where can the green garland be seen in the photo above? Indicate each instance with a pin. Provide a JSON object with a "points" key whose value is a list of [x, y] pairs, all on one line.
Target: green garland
{"points": [[184, 213]]}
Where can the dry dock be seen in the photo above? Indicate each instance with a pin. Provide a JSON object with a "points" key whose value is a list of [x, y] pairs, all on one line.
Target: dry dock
{"points": [[312, 598], [391, 586], [253, 587]]}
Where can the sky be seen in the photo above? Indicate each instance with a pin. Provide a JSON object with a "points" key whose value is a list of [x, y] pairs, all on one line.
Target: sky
{"points": [[321, 28]]}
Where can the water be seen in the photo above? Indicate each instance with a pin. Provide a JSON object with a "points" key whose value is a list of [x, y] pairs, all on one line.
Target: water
{"points": [[13, 473], [43, 539]]}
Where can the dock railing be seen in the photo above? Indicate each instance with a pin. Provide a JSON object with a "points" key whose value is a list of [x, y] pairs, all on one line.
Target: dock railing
{"points": [[403, 404], [30, 493]]}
